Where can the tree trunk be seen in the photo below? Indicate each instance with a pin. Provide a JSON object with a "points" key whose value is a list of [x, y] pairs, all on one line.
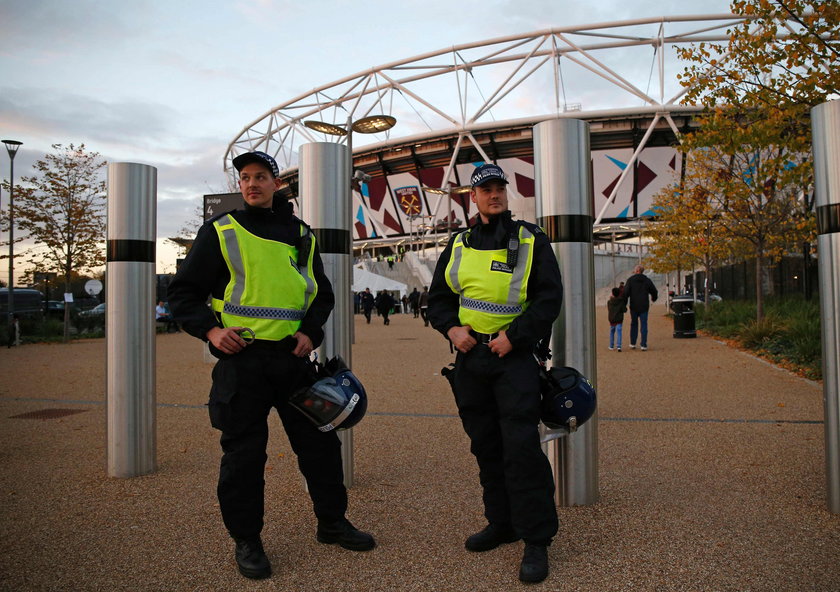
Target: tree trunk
{"points": [[759, 286], [66, 307], [707, 289]]}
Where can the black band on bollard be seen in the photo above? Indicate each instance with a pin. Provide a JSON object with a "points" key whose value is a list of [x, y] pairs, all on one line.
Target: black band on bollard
{"points": [[131, 250], [828, 219], [332, 240], [569, 228]]}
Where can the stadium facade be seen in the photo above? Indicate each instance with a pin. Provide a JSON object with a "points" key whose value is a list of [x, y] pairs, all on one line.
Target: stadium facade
{"points": [[459, 107]]}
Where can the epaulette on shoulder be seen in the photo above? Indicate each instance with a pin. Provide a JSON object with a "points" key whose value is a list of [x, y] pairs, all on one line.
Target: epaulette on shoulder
{"points": [[534, 228], [217, 216]]}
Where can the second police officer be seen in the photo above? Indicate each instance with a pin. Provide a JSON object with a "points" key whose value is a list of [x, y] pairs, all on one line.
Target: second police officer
{"points": [[495, 293]]}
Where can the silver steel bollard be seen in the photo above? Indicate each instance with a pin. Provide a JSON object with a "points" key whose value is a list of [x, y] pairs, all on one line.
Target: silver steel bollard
{"points": [[564, 209], [130, 319], [324, 186], [825, 125]]}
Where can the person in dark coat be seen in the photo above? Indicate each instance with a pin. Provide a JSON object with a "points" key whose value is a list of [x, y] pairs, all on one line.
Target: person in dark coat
{"points": [[384, 304], [367, 304], [414, 300], [616, 307], [640, 292]]}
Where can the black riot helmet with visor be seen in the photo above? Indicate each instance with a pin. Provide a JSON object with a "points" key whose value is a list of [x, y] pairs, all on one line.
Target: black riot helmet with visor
{"points": [[335, 400]]}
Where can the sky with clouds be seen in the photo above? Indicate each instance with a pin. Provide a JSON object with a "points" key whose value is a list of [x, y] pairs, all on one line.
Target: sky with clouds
{"points": [[170, 84]]}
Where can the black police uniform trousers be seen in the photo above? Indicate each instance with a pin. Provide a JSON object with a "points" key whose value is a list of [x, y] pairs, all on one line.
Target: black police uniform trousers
{"points": [[499, 404], [245, 388]]}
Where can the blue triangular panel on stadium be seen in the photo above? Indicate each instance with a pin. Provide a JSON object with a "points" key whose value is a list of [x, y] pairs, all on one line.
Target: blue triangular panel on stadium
{"points": [[623, 213], [360, 215], [618, 163], [649, 213]]}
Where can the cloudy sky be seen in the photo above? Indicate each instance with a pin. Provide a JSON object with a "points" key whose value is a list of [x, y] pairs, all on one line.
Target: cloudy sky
{"points": [[170, 84]]}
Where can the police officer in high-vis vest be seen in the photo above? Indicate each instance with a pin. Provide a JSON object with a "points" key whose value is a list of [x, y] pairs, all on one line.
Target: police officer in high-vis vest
{"points": [[269, 300], [495, 294]]}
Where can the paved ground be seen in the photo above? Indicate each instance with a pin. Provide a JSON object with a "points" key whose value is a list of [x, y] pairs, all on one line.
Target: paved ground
{"points": [[711, 478]]}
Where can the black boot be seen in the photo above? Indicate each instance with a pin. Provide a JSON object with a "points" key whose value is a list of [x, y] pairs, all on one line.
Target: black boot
{"points": [[251, 559], [345, 534], [534, 566], [491, 537]]}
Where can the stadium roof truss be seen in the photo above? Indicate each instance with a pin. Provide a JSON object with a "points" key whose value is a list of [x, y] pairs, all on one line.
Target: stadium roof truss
{"points": [[478, 101]]}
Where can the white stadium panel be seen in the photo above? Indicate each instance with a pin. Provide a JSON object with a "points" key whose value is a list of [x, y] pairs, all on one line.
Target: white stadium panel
{"points": [[658, 168], [607, 168]]}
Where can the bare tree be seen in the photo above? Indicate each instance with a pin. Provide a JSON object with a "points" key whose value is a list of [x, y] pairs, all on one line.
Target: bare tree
{"points": [[62, 210]]}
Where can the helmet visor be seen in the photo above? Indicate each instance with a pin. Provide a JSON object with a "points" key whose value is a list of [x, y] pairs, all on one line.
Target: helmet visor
{"points": [[325, 404]]}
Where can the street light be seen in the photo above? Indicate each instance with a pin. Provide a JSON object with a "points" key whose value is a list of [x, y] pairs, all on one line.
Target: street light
{"points": [[450, 191], [371, 124], [12, 148]]}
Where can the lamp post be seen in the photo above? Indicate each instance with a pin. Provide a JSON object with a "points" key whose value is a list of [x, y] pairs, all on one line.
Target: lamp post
{"points": [[319, 162], [451, 192], [371, 124], [12, 148], [366, 125]]}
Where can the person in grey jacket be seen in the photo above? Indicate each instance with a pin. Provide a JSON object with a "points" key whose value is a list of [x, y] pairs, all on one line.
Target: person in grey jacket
{"points": [[640, 292]]}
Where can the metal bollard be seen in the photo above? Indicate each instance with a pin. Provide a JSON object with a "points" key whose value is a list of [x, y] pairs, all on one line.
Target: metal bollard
{"points": [[825, 125], [325, 205], [130, 319], [564, 209]]}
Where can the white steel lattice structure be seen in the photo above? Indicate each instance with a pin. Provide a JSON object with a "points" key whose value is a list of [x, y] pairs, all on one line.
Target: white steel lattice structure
{"points": [[476, 102]]}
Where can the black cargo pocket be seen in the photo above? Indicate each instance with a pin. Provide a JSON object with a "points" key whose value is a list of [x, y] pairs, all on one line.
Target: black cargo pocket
{"points": [[222, 392]]}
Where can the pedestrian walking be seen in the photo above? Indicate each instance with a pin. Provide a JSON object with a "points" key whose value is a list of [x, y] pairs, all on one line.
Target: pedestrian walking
{"points": [[367, 304], [423, 303], [616, 307], [384, 304], [639, 291]]}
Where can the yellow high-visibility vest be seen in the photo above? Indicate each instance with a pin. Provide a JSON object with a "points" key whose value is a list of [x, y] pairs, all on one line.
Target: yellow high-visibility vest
{"points": [[491, 294], [269, 289]]}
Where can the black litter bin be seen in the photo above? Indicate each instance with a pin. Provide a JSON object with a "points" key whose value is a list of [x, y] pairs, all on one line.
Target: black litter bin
{"points": [[683, 309]]}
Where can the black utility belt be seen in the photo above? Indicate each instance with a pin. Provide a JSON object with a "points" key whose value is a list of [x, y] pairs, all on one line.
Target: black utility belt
{"points": [[287, 344], [483, 337]]}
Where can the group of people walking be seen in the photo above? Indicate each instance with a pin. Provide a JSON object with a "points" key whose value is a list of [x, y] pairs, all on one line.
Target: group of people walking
{"points": [[384, 303], [495, 293]]}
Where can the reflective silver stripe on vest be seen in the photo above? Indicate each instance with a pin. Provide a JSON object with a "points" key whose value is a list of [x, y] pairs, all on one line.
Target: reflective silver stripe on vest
{"points": [[264, 312], [235, 259], [521, 266], [304, 270], [455, 257], [490, 307]]}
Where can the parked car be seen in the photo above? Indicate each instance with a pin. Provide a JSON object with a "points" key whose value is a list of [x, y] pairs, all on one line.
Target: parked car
{"points": [[96, 311], [27, 302], [699, 297], [55, 308]]}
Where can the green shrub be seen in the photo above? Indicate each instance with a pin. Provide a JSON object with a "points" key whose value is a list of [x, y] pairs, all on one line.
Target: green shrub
{"points": [[756, 334], [789, 334]]}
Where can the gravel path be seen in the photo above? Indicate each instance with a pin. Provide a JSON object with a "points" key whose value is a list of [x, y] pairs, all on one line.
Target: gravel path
{"points": [[711, 478]]}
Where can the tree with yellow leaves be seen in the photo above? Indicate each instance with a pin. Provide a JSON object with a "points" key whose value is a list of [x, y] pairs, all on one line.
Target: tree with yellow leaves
{"points": [[754, 138], [690, 230]]}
